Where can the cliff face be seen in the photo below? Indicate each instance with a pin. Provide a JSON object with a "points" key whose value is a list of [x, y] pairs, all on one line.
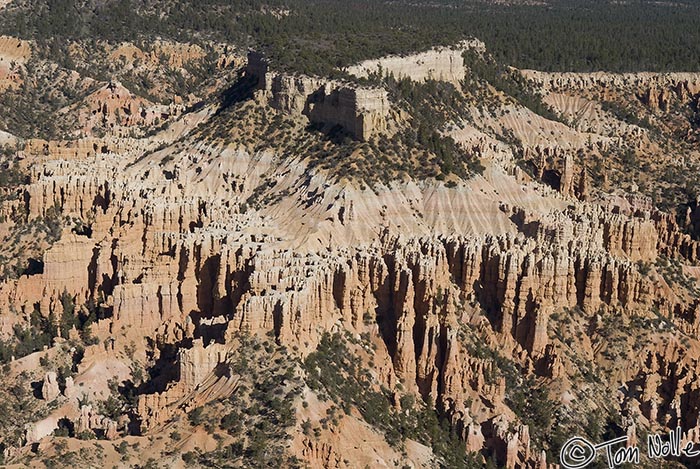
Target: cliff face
{"points": [[648, 85], [362, 112], [441, 63]]}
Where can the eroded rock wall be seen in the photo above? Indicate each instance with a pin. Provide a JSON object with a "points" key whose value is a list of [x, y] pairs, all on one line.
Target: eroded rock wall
{"points": [[360, 111], [440, 63]]}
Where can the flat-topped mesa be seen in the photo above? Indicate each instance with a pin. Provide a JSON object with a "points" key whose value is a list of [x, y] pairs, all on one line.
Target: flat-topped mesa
{"points": [[360, 111], [440, 63]]}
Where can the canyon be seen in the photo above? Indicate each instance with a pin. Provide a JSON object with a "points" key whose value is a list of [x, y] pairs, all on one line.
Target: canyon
{"points": [[464, 294]]}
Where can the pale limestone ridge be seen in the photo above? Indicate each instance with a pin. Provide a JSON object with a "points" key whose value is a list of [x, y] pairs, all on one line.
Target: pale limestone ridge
{"points": [[656, 90], [553, 81], [440, 63]]}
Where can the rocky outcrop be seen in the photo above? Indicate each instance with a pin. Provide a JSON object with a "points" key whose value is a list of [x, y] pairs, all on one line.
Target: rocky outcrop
{"points": [[66, 265], [90, 421], [114, 106], [413, 286], [198, 362], [440, 63], [360, 111], [70, 390], [202, 374], [556, 167], [674, 240], [653, 84], [50, 389]]}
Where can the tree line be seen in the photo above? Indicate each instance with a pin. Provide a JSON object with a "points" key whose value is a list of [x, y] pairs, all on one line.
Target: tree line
{"points": [[319, 36]]}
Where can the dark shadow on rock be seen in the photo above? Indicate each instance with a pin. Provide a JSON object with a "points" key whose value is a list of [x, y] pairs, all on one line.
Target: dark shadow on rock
{"points": [[552, 178], [34, 267], [36, 389], [241, 90]]}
